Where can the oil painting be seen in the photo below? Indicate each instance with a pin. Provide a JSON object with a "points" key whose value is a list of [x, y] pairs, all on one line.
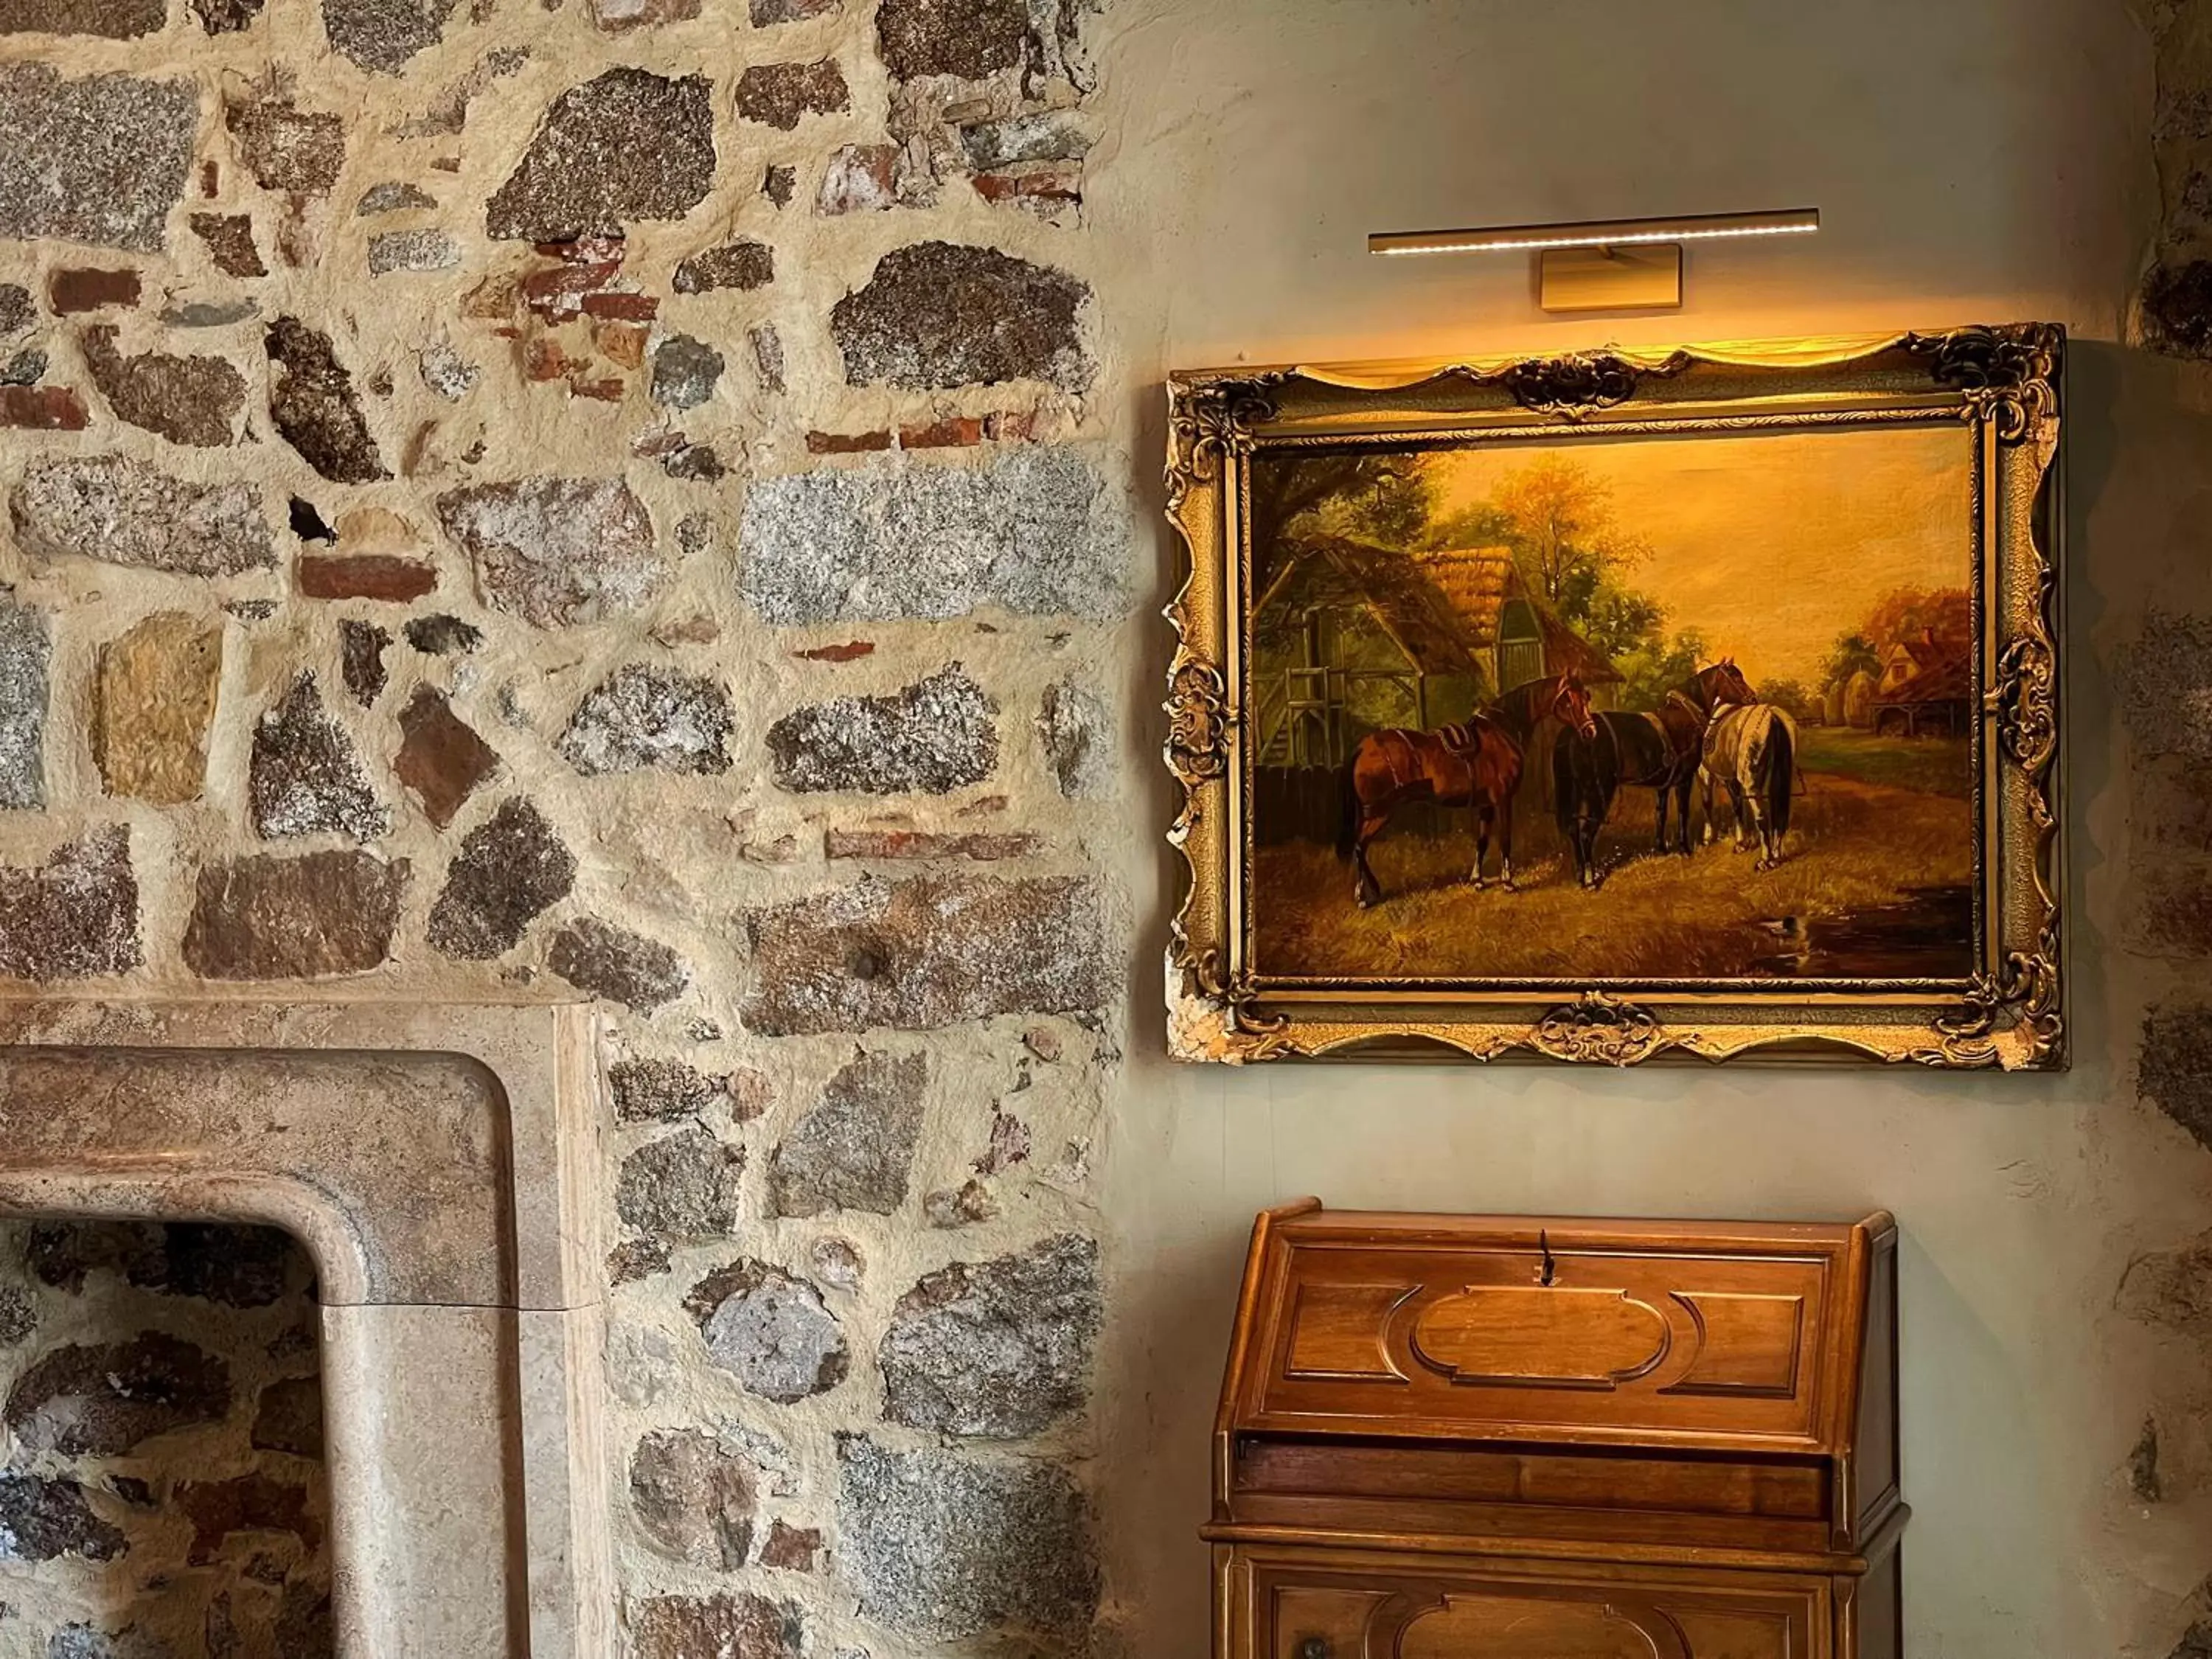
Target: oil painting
{"points": [[1637, 708], [1560, 702]]}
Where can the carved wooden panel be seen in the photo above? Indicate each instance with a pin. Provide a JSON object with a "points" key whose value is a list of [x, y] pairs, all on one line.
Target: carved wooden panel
{"points": [[1550, 1338]]}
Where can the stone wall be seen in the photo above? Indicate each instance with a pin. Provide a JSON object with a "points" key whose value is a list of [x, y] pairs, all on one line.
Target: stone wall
{"points": [[605, 494]]}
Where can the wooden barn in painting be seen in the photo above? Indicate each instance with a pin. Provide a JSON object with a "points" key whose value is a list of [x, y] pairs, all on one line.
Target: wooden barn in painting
{"points": [[1926, 689], [1350, 637]]}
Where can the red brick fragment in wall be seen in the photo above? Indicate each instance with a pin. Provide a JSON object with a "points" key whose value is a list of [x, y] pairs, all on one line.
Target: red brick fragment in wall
{"points": [[366, 576], [956, 432], [850, 651], [846, 443], [81, 289], [41, 409]]}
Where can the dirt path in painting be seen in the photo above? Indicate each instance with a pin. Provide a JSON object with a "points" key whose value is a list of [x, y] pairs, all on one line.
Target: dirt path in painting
{"points": [[1875, 884]]}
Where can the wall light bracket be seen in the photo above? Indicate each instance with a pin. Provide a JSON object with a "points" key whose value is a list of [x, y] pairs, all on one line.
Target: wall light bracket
{"points": [[1602, 265]]}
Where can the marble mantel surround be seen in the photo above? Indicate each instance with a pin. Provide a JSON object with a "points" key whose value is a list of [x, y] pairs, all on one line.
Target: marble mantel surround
{"points": [[440, 1161]]}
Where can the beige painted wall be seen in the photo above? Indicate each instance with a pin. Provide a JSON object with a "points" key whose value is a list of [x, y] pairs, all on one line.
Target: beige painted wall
{"points": [[1975, 161]]}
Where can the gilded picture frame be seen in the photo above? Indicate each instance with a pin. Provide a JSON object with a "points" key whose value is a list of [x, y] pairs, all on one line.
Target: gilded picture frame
{"points": [[1994, 390]]}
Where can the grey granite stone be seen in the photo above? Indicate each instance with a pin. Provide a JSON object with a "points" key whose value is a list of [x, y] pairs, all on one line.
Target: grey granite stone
{"points": [[558, 550], [685, 372], [855, 1150], [642, 716], [946, 1546], [306, 776], [770, 1331], [99, 161], [42, 1520], [626, 146], [639, 973], [940, 314], [128, 513], [998, 1348], [1036, 531], [928, 952], [934, 736], [509, 870], [73, 917], [26, 651], [383, 36], [684, 1186]]}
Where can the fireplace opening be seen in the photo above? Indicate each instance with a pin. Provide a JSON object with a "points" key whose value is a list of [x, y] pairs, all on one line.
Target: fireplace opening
{"points": [[163, 1492]]}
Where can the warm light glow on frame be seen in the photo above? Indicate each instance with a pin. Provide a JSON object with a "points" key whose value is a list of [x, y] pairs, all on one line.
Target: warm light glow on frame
{"points": [[1596, 232]]}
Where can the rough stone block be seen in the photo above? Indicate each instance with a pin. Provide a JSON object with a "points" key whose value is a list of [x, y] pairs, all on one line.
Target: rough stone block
{"points": [[738, 1626], [311, 917], [1052, 136], [285, 148], [928, 952], [741, 264], [977, 846], [361, 647], [385, 577], [76, 916], [855, 1150], [289, 1418], [154, 699], [793, 1549], [558, 550], [193, 401], [663, 1090], [114, 19], [946, 1546], [626, 146], [934, 736], [509, 870], [685, 372], [417, 251], [2173, 1069], [127, 512], [2166, 687], [305, 776], [684, 1186], [383, 36], [99, 160], [642, 716], [770, 1331], [228, 238], [311, 398], [779, 94], [25, 656], [42, 1520], [998, 1348], [441, 759], [968, 39], [696, 1500], [248, 1504], [639, 973], [249, 1268], [103, 1401], [939, 314], [1036, 531], [1077, 729]]}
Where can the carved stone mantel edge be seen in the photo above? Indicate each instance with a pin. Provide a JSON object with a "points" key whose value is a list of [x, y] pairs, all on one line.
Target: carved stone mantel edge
{"points": [[520, 1371]]}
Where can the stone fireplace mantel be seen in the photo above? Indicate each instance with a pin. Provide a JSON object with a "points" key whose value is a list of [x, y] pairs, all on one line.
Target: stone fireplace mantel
{"points": [[441, 1162]]}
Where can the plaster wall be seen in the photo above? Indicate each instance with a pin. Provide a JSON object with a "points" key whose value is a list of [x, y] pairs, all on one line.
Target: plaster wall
{"points": [[1986, 160]]}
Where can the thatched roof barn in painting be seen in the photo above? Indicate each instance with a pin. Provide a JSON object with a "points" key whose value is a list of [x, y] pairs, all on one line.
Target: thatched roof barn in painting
{"points": [[1350, 636]]}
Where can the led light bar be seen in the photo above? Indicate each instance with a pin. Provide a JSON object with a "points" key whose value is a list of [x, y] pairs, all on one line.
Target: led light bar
{"points": [[1596, 232]]}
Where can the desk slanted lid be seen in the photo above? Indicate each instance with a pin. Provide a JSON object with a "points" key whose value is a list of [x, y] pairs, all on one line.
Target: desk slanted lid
{"points": [[1724, 1337]]}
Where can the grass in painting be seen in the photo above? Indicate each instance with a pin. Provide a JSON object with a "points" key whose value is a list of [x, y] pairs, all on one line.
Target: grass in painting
{"points": [[1875, 886]]}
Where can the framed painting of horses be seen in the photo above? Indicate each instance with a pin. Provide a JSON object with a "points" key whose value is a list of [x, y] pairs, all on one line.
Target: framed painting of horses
{"points": [[1689, 704]]}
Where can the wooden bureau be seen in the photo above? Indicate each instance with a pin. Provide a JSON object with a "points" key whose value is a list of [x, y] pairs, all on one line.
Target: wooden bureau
{"points": [[1513, 1437]]}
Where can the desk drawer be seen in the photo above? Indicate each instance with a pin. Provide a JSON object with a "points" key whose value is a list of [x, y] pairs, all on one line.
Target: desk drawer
{"points": [[1528, 1610]]}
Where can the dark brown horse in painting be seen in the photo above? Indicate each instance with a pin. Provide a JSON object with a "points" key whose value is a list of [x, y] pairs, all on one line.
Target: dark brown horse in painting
{"points": [[1660, 750], [1477, 764]]}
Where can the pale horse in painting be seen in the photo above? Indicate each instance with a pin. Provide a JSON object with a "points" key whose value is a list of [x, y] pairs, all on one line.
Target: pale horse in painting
{"points": [[1752, 753]]}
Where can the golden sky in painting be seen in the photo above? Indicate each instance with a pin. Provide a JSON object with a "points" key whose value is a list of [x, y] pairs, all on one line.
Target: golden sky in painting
{"points": [[1771, 544]]}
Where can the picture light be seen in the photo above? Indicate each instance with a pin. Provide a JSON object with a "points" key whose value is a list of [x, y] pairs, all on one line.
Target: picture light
{"points": [[1601, 265]]}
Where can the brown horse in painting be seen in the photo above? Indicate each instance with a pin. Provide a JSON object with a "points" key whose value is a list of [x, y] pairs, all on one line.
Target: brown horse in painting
{"points": [[1477, 764]]}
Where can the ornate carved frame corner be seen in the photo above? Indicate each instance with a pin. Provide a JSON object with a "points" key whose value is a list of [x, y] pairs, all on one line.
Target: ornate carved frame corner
{"points": [[2004, 383]]}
